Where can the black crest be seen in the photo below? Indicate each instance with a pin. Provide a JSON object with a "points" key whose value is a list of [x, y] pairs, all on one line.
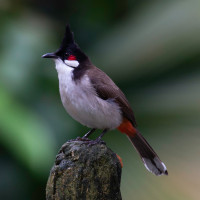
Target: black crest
{"points": [[69, 47], [68, 38]]}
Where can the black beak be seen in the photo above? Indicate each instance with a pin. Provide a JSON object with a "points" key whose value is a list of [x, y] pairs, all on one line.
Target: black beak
{"points": [[50, 55]]}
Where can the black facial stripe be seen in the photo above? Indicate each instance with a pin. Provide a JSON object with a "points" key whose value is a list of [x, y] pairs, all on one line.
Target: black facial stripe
{"points": [[71, 66], [80, 71]]}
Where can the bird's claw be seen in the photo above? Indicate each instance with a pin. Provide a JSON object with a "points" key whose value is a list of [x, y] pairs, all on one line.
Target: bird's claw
{"points": [[84, 139], [88, 141], [97, 141]]}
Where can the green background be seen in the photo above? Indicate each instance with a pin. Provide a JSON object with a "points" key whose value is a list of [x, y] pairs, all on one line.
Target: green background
{"points": [[151, 50]]}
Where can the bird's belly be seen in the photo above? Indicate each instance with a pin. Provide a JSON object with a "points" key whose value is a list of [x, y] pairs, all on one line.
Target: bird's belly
{"points": [[86, 107]]}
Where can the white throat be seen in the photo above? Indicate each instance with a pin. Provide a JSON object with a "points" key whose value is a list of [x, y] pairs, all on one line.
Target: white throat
{"points": [[66, 66]]}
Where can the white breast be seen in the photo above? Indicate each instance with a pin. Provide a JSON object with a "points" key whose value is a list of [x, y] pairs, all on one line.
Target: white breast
{"points": [[82, 103]]}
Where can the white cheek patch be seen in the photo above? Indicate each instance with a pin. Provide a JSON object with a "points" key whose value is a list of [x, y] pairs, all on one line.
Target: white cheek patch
{"points": [[72, 63]]}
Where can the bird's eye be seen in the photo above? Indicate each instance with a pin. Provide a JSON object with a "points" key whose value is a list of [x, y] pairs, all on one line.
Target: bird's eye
{"points": [[71, 57]]}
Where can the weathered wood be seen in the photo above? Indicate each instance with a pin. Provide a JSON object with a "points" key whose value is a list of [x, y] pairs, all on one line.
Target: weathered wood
{"points": [[84, 172]]}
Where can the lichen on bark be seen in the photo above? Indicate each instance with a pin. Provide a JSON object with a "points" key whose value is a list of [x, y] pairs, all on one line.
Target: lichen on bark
{"points": [[84, 172]]}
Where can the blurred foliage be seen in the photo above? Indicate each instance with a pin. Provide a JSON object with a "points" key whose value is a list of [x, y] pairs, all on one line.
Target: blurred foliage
{"points": [[151, 50]]}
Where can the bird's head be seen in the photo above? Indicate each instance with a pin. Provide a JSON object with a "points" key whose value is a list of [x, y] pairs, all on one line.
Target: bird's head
{"points": [[69, 52]]}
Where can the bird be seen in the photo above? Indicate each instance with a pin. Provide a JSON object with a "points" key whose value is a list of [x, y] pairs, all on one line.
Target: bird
{"points": [[91, 97]]}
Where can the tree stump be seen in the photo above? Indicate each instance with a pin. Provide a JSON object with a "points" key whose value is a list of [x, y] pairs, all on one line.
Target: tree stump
{"points": [[84, 172]]}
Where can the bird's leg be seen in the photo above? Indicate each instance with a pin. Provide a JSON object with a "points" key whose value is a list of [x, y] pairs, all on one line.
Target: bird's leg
{"points": [[102, 134], [98, 140], [89, 133], [85, 137]]}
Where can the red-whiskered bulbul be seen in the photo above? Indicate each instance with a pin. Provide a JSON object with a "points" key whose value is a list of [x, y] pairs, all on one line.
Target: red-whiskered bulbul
{"points": [[95, 101]]}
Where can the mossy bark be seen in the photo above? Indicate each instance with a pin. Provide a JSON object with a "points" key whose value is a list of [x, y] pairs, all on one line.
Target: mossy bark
{"points": [[84, 172]]}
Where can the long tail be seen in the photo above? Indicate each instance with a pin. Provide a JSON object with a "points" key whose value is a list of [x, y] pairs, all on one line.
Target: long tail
{"points": [[150, 159]]}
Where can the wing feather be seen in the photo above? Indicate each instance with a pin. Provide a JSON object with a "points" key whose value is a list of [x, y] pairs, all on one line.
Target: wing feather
{"points": [[107, 89]]}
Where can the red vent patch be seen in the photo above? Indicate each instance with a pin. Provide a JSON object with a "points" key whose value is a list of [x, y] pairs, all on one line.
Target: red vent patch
{"points": [[71, 57]]}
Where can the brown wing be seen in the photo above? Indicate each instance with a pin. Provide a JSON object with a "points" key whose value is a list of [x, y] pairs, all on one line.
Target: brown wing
{"points": [[107, 89]]}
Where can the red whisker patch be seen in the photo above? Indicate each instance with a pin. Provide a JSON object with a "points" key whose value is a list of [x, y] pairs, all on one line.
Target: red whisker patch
{"points": [[71, 57]]}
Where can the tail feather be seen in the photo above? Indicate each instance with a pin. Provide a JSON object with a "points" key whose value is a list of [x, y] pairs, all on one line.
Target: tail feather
{"points": [[150, 159]]}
